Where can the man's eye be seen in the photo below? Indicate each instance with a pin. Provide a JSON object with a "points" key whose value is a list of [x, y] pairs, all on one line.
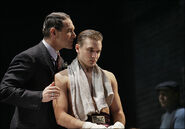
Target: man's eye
{"points": [[98, 51], [69, 30]]}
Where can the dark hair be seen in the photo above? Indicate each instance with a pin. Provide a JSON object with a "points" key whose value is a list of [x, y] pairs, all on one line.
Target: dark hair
{"points": [[92, 34], [55, 20]]}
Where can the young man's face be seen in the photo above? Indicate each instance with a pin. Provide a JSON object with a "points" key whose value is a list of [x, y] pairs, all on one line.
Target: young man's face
{"points": [[90, 52]]}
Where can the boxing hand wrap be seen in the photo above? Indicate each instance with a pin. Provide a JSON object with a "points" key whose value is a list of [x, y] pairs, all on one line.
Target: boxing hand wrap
{"points": [[89, 125], [117, 125]]}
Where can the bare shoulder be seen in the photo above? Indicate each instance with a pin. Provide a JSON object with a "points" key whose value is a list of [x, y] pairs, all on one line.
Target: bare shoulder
{"points": [[109, 74], [112, 79], [63, 72], [61, 78]]}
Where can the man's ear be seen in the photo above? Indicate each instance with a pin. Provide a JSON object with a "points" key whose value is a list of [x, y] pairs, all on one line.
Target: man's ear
{"points": [[77, 46], [52, 31]]}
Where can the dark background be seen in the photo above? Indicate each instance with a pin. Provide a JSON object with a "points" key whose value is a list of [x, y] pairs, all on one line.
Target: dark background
{"points": [[143, 45]]}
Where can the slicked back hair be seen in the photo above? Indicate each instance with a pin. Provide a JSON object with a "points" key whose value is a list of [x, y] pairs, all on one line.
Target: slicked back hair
{"points": [[55, 20]]}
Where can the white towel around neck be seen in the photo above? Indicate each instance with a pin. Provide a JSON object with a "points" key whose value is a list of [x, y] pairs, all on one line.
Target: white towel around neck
{"points": [[82, 103]]}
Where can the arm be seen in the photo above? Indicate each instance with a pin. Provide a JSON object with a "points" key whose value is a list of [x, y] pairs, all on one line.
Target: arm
{"points": [[179, 120], [60, 105], [13, 85], [116, 106]]}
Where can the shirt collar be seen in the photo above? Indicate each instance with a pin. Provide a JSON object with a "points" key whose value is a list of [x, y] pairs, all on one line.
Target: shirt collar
{"points": [[51, 50]]}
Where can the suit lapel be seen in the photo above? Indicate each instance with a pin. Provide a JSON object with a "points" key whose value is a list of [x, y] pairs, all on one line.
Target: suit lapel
{"points": [[46, 59]]}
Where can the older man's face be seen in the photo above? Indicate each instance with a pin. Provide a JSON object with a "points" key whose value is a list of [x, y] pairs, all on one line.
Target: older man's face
{"points": [[167, 98]]}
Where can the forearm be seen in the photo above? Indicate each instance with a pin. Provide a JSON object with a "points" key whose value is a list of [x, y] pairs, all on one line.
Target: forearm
{"points": [[119, 116], [16, 82], [14, 88], [21, 97], [68, 121]]}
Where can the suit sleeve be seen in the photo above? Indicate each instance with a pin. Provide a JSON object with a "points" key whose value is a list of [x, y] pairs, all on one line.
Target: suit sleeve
{"points": [[13, 88]]}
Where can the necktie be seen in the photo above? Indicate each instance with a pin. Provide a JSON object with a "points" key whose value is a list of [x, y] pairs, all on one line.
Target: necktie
{"points": [[58, 62]]}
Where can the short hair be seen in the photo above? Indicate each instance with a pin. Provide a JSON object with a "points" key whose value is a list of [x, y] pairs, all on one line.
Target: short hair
{"points": [[54, 19], [89, 33]]}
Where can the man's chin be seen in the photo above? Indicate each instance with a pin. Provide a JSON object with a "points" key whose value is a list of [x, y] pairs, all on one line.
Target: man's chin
{"points": [[163, 105], [70, 47], [91, 65]]}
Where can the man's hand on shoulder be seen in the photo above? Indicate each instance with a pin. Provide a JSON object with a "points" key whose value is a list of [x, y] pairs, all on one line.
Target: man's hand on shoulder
{"points": [[51, 92]]}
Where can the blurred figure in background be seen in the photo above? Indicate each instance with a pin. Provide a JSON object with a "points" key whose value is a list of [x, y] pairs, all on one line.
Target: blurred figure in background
{"points": [[169, 99]]}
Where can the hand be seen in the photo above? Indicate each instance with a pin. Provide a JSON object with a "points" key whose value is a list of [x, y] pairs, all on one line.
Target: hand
{"points": [[117, 125], [51, 92], [89, 125]]}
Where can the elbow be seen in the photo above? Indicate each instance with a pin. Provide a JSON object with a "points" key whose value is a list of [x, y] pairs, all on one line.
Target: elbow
{"points": [[59, 114], [59, 119], [4, 93]]}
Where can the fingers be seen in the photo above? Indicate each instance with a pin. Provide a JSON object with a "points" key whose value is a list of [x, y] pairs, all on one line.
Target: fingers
{"points": [[51, 92], [53, 96], [50, 95], [52, 84], [53, 88]]}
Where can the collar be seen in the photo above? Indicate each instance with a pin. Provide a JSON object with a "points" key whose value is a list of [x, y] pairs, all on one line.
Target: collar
{"points": [[50, 49]]}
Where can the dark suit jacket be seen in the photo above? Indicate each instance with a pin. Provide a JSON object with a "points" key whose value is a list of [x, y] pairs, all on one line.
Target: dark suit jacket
{"points": [[22, 85]]}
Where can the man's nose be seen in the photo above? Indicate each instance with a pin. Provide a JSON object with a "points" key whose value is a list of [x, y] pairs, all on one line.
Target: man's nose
{"points": [[74, 35], [94, 54], [161, 96]]}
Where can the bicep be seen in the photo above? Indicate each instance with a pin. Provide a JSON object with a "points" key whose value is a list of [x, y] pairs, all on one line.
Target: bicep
{"points": [[61, 103], [116, 104]]}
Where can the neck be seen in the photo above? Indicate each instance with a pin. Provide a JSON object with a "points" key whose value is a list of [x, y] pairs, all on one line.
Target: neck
{"points": [[48, 40], [85, 67]]}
